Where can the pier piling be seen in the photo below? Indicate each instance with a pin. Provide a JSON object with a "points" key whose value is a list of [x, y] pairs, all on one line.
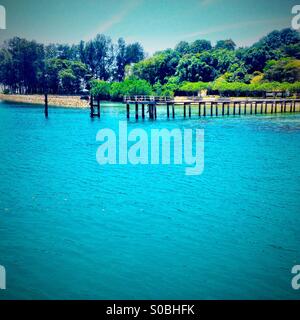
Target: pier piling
{"points": [[222, 107], [93, 106], [46, 105], [136, 111], [143, 111]]}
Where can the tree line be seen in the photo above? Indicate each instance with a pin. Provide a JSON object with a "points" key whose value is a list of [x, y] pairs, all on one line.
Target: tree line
{"points": [[29, 67], [113, 70]]}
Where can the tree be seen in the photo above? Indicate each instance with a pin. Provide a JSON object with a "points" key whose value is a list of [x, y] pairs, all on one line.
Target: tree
{"points": [[292, 50], [284, 70], [277, 39], [90, 57], [67, 79], [129, 87], [80, 72], [120, 59], [25, 59], [191, 68], [81, 49], [182, 47], [53, 69], [225, 44], [199, 46], [7, 76], [27, 66], [255, 59], [134, 53], [102, 45], [100, 89], [157, 68], [65, 76], [223, 60]]}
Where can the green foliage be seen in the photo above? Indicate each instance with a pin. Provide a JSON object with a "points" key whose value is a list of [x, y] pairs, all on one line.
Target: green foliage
{"points": [[68, 79], [100, 89], [223, 60], [5, 91], [157, 68], [168, 89], [199, 46], [21, 65], [65, 76], [283, 70], [255, 89], [136, 87], [194, 86], [276, 39], [255, 58], [292, 50], [225, 44], [30, 67], [117, 90], [125, 55], [192, 68], [257, 77], [182, 47]]}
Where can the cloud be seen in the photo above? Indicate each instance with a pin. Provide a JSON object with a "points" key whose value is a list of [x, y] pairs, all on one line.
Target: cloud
{"points": [[230, 26], [115, 19]]}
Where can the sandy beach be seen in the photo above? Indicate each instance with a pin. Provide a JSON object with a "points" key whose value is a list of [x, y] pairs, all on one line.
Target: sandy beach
{"points": [[53, 100]]}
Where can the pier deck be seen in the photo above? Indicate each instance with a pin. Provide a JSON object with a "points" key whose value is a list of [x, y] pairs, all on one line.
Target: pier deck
{"points": [[209, 107]]}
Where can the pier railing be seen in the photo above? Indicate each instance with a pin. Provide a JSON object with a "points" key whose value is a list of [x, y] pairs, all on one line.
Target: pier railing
{"points": [[164, 99], [140, 98], [214, 107]]}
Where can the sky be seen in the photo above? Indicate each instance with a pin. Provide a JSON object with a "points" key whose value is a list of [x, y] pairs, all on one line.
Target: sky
{"points": [[157, 25]]}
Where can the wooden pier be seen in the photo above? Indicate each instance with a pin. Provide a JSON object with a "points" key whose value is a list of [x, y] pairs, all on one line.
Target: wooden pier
{"points": [[95, 107], [212, 108], [46, 105]]}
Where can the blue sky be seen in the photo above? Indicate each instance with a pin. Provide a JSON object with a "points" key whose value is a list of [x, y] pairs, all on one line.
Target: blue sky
{"points": [[156, 24]]}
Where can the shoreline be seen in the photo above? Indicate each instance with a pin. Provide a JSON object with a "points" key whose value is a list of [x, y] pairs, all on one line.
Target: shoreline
{"points": [[74, 101], [53, 100]]}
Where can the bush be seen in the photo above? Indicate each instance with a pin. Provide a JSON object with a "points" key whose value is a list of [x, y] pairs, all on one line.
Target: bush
{"points": [[5, 91], [130, 87], [100, 89], [194, 86], [137, 87], [116, 91]]}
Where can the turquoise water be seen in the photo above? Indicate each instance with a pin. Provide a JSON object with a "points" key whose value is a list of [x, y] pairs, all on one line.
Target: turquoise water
{"points": [[72, 229]]}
